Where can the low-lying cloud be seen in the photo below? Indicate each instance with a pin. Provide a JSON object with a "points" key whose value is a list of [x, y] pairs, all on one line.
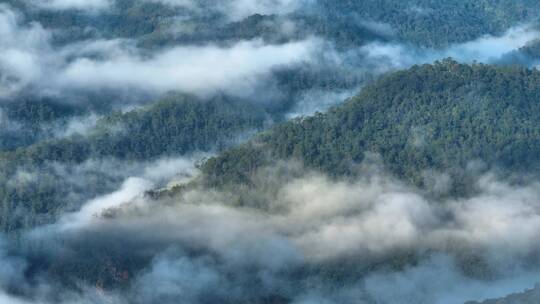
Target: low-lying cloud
{"points": [[30, 60], [304, 239], [73, 4], [238, 9], [200, 70], [487, 49], [234, 9], [23, 50], [243, 68]]}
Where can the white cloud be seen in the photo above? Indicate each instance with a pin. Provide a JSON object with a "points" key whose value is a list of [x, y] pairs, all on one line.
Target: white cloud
{"points": [[437, 280], [239, 9], [131, 189], [194, 69], [391, 56], [313, 221], [329, 220], [146, 176], [73, 4], [316, 220], [489, 48], [22, 49], [29, 60]]}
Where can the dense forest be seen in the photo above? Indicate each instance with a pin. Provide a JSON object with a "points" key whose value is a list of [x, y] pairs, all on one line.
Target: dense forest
{"points": [[269, 151], [176, 125], [433, 23], [378, 120], [441, 117], [429, 23], [148, 24]]}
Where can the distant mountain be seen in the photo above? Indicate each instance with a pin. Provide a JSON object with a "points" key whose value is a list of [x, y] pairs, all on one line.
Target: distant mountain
{"points": [[110, 110], [430, 23], [436, 23], [437, 117]]}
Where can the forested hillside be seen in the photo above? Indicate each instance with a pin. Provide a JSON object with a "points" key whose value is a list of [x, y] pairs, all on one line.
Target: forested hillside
{"points": [[130, 27], [434, 23], [269, 151], [430, 23], [176, 125], [444, 117]]}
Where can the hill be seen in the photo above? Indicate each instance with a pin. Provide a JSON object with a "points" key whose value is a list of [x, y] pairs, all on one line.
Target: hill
{"points": [[432, 117], [429, 23], [40, 180]]}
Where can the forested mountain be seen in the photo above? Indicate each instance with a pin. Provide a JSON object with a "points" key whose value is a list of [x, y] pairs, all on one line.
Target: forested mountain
{"points": [[441, 117], [157, 24], [161, 25], [176, 125], [430, 23], [36, 136], [26, 121], [269, 151], [436, 23]]}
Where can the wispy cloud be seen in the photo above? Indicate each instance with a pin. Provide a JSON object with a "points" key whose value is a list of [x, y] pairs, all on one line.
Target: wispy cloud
{"points": [[73, 4], [430, 250], [199, 70], [32, 61], [239, 9]]}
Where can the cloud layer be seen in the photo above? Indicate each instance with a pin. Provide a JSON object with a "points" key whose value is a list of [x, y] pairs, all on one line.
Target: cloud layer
{"points": [[304, 238], [191, 69], [29, 59], [239, 9], [73, 4]]}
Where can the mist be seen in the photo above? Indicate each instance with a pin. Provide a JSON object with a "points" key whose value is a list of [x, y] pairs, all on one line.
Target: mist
{"points": [[290, 245], [186, 68], [238, 9], [152, 231], [109, 64], [487, 49], [22, 48], [73, 4], [131, 74]]}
